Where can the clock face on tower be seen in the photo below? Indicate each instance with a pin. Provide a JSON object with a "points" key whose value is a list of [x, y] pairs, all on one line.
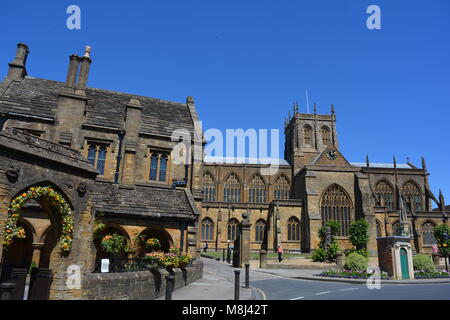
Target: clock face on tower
{"points": [[331, 154]]}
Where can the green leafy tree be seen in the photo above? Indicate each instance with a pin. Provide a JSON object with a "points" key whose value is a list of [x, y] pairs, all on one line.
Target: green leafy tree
{"points": [[442, 235], [359, 237], [321, 254]]}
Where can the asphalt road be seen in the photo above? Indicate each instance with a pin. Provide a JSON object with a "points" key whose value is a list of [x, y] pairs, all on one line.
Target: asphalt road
{"points": [[273, 287]]}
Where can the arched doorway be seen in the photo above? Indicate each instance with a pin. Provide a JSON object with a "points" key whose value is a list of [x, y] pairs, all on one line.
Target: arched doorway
{"points": [[164, 238], [404, 263]]}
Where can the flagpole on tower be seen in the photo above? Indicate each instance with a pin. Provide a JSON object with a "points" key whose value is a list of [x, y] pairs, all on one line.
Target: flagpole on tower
{"points": [[307, 101]]}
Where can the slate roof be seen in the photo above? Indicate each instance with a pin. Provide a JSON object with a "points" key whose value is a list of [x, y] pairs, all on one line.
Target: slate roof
{"points": [[237, 160], [39, 97], [143, 201], [36, 147], [382, 165]]}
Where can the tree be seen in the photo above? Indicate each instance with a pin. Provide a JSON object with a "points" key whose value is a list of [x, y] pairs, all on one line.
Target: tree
{"points": [[442, 235], [359, 234]]}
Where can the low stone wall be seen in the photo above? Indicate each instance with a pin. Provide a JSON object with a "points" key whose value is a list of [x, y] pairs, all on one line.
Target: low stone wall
{"points": [[139, 285]]}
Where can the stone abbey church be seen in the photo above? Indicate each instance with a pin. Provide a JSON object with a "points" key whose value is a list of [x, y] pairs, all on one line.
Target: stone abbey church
{"points": [[110, 155]]}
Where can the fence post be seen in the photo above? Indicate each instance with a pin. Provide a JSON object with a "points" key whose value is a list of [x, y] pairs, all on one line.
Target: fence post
{"points": [[169, 287], [7, 290], [236, 284], [247, 275]]}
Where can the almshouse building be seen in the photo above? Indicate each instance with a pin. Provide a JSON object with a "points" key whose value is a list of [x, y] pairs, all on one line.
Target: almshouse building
{"points": [[98, 154]]}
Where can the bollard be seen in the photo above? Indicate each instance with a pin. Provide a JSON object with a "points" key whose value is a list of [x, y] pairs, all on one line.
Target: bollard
{"points": [[7, 290], [236, 284], [247, 275], [228, 256], [169, 287], [223, 254], [263, 259]]}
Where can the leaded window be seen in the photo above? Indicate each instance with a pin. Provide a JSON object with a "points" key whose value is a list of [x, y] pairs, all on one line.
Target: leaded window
{"points": [[232, 189], [232, 229], [259, 229], [97, 156], [336, 205], [412, 195], [281, 189], [293, 229], [207, 229], [158, 166], [325, 133], [209, 188], [385, 195], [257, 191], [307, 134], [428, 233]]}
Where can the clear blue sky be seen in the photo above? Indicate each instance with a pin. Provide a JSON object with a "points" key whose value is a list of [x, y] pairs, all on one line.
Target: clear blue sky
{"points": [[246, 62]]}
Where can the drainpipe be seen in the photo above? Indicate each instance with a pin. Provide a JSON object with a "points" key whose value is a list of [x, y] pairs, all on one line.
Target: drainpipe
{"points": [[119, 156], [184, 182]]}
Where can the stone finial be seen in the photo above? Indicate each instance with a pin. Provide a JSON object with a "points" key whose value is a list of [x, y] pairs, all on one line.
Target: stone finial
{"points": [[395, 162], [332, 109], [190, 99], [367, 161], [315, 108], [87, 51], [424, 164], [134, 102]]}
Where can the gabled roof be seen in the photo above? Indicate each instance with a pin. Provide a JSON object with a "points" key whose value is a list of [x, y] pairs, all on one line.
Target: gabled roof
{"points": [[323, 160], [145, 201], [35, 147], [39, 98], [382, 165]]}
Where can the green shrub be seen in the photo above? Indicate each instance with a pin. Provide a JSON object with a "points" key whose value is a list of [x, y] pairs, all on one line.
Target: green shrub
{"points": [[331, 253], [362, 252], [319, 255], [356, 262], [359, 234], [423, 263]]}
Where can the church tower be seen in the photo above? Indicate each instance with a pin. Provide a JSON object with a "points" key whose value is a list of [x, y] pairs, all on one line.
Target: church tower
{"points": [[307, 135]]}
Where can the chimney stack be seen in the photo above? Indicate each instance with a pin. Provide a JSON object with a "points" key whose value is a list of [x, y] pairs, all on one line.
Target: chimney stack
{"points": [[17, 70], [84, 70], [74, 62]]}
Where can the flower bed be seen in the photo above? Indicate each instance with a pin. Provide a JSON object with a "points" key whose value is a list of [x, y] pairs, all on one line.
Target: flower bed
{"points": [[421, 274], [352, 274], [169, 260]]}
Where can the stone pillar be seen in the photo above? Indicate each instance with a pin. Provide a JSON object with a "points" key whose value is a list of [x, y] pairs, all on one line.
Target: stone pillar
{"points": [[340, 259], [245, 240], [37, 247]]}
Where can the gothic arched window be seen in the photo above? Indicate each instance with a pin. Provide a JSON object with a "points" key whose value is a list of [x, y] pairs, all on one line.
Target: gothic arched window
{"points": [[207, 229], [259, 230], [428, 233], [257, 191], [325, 133], [336, 206], [232, 189], [281, 189], [232, 229], [307, 134], [293, 229], [412, 195], [385, 195], [209, 188]]}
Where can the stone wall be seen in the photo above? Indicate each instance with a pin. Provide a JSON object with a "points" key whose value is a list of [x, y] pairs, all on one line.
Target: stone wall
{"points": [[140, 285]]}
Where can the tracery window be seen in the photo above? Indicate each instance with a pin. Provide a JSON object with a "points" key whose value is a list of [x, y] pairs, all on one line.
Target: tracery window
{"points": [[232, 229], [209, 188], [412, 195], [293, 229], [385, 195], [336, 206], [257, 191], [281, 189], [259, 230], [232, 189], [307, 134], [97, 156], [207, 229], [158, 166], [325, 133], [428, 233]]}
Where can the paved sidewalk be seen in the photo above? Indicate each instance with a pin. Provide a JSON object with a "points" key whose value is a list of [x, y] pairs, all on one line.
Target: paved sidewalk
{"points": [[217, 284]]}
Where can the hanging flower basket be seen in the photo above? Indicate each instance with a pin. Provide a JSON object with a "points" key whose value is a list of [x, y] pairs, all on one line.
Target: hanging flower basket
{"points": [[56, 202]]}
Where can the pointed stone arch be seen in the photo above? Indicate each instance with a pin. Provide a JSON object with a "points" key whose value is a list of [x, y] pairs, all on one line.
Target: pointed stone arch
{"points": [[337, 205]]}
